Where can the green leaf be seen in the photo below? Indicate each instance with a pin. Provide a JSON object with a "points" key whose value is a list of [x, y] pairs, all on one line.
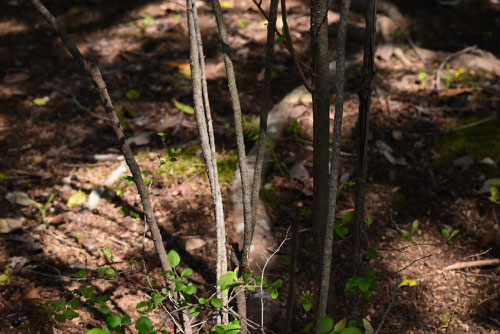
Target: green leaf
{"points": [[351, 330], [107, 252], [194, 311], [348, 217], [113, 321], [59, 305], [156, 299], [41, 101], [280, 39], [277, 284], [274, 294], [308, 327], [493, 182], [183, 107], [454, 233], [372, 254], [307, 306], [368, 327], [173, 258], [70, 314], [96, 331], [414, 226], [422, 75], [243, 23], [126, 320], [186, 272], [226, 280], [76, 199], [325, 325], [233, 327], [340, 325], [75, 304], [128, 178], [105, 309], [133, 94], [446, 233], [216, 302], [190, 290], [363, 284], [494, 194], [203, 301], [60, 317], [4, 277], [144, 325]]}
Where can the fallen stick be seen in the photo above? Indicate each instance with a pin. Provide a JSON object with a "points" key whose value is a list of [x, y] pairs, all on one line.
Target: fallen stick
{"points": [[471, 264]]}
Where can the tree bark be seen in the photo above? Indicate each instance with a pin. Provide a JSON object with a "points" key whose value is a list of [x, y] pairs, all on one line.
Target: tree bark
{"points": [[333, 179], [365, 92], [206, 137], [321, 118]]}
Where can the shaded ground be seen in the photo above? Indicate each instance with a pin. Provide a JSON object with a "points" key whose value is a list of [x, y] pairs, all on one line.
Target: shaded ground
{"points": [[50, 149]]}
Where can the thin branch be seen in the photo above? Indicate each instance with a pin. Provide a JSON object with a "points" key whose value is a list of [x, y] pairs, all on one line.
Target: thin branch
{"points": [[93, 71], [471, 264], [264, 112], [206, 136], [240, 143], [299, 64], [390, 305], [410, 264]]}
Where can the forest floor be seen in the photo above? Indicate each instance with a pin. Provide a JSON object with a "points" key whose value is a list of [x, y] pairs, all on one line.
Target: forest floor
{"points": [[429, 158]]}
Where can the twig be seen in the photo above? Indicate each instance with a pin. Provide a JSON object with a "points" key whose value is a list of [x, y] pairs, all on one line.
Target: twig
{"points": [[446, 60], [299, 64], [470, 125], [262, 278], [479, 254], [471, 264], [414, 47], [393, 302], [293, 270], [410, 264]]}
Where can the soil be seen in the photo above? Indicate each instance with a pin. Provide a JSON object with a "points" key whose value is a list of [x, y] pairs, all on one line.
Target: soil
{"points": [[52, 127]]}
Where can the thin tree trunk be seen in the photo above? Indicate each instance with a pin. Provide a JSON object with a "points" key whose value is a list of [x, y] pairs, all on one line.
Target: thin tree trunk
{"points": [[333, 180], [365, 92], [206, 136], [242, 159], [321, 117], [95, 74], [265, 99]]}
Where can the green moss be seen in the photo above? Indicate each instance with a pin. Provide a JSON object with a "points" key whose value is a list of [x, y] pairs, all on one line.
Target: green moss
{"points": [[226, 166], [187, 164], [482, 140]]}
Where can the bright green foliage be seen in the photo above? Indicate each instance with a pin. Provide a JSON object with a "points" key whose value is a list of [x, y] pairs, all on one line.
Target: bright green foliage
{"points": [[362, 285], [306, 300], [173, 258], [414, 229], [144, 325], [231, 328], [6, 275], [449, 235], [42, 207]]}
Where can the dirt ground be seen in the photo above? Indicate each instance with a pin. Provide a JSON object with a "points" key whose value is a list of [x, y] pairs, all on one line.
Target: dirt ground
{"points": [[429, 157]]}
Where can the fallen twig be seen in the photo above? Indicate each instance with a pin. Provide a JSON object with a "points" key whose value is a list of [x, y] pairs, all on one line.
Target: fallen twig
{"points": [[411, 263], [392, 303], [471, 264]]}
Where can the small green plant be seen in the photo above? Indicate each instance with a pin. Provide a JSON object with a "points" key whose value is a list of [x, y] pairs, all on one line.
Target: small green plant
{"points": [[145, 22], [6, 275], [446, 320], [449, 235], [306, 300], [363, 285], [251, 127], [340, 224], [42, 207], [493, 184], [414, 229]]}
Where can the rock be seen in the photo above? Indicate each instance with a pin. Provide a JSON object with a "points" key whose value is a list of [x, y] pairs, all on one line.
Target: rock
{"points": [[299, 172], [18, 197], [142, 138], [463, 162], [194, 243]]}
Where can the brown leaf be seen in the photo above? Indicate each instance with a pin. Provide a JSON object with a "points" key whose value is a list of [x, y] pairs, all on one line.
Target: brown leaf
{"points": [[33, 294], [15, 78]]}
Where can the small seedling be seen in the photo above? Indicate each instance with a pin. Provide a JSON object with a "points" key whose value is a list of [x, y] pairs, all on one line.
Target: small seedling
{"points": [[42, 207], [414, 229], [449, 235]]}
